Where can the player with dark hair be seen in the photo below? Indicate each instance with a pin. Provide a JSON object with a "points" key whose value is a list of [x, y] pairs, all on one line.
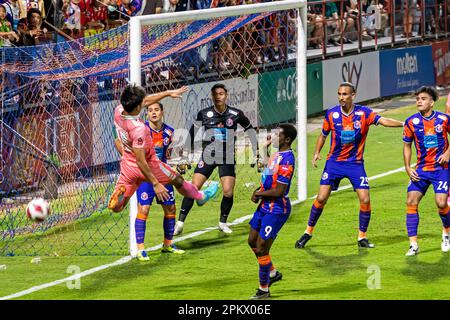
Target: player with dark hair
{"points": [[218, 151], [161, 135], [349, 125], [274, 208], [429, 130], [139, 160]]}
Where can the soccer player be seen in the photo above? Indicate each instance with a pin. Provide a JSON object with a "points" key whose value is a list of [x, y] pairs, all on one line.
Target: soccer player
{"points": [[428, 129], [161, 135], [219, 122], [349, 125], [274, 208], [139, 161]]}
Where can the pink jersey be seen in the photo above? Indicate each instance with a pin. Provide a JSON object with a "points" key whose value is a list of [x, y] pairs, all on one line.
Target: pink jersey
{"points": [[133, 133]]}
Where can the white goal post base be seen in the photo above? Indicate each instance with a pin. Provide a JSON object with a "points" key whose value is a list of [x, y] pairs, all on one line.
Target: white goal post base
{"points": [[135, 39]]}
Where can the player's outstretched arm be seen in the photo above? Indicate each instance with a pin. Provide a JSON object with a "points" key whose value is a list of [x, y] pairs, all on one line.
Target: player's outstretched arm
{"points": [[319, 145], [154, 98], [161, 192], [388, 122], [412, 173]]}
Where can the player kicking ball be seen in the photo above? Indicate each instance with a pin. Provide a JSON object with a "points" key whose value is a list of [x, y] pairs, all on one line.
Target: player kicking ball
{"points": [[139, 160], [428, 129], [161, 135], [349, 125], [274, 208]]}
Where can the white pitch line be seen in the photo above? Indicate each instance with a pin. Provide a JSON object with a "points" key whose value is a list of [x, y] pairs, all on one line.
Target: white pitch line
{"points": [[157, 247]]}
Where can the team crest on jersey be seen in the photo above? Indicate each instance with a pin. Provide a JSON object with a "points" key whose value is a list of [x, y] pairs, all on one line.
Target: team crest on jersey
{"points": [[166, 141], [335, 115], [325, 176], [201, 164], [144, 196], [357, 124], [438, 128], [416, 121], [229, 122], [210, 114]]}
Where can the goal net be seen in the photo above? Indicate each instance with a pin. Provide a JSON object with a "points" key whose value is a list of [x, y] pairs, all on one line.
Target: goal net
{"points": [[57, 116]]}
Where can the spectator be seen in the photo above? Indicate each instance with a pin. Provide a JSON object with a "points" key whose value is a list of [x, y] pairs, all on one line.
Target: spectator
{"points": [[6, 32], [31, 30], [26, 5], [12, 12], [152, 7], [129, 8], [408, 10], [115, 18], [378, 17], [333, 22], [170, 5], [430, 16], [315, 32], [184, 5], [72, 18], [202, 4], [353, 12]]}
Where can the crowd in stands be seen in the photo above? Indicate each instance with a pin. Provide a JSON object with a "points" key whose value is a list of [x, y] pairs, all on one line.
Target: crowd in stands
{"points": [[330, 23]]}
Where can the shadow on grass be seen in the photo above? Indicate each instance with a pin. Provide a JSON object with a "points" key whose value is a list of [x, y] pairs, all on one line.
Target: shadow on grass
{"points": [[196, 284], [307, 293], [425, 271], [339, 265]]}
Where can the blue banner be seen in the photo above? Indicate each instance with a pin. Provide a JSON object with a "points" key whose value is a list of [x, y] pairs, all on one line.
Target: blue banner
{"points": [[405, 70]]}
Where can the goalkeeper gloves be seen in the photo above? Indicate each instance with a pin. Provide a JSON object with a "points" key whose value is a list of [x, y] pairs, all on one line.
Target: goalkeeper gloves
{"points": [[183, 166], [258, 163]]}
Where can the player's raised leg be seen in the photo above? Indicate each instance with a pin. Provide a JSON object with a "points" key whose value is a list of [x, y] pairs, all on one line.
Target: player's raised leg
{"points": [[198, 180], [314, 215]]}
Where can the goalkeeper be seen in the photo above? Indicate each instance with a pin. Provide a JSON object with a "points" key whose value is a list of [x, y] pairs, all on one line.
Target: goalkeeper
{"points": [[219, 123]]}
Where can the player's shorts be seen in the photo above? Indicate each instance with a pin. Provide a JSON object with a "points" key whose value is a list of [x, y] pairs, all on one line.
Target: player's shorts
{"points": [[335, 171], [267, 224], [225, 170], [439, 180], [131, 177], [146, 194]]}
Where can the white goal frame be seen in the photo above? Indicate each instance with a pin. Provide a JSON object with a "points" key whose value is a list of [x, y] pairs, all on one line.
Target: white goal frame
{"points": [[135, 39]]}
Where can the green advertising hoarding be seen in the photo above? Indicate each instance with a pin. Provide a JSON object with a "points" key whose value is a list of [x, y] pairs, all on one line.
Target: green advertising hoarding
{"points": [[277, 94]]}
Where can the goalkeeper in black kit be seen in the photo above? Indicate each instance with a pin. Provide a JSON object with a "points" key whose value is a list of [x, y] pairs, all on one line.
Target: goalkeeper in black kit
{"points": [[219, 123]]}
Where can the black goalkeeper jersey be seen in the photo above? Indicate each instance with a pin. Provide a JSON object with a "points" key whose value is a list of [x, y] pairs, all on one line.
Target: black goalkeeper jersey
{"points": [[219, 129]]}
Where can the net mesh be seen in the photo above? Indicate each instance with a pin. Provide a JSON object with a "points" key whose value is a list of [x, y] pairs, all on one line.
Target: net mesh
{"points": [[57, 118]]}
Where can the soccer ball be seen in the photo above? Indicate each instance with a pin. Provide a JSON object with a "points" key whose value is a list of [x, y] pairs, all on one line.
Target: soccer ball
{"points": [[38, 209]]}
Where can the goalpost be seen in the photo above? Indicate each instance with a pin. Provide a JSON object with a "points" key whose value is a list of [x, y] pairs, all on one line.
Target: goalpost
{"points": [[137, 24]]}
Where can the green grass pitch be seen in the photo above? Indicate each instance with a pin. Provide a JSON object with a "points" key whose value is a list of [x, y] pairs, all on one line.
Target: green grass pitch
{"points": [[218, 266]]}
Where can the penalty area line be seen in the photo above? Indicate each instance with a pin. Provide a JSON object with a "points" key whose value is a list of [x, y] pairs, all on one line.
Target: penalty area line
{"points": [[157, 247]]}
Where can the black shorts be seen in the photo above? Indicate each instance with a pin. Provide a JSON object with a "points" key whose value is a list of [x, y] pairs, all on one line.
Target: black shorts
{"points": [[225, 170]]}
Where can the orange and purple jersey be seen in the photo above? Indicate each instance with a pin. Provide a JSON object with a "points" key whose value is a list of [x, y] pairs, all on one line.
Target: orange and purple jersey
{"points": [[348, 132], [162, 140], [430, 138], [280, 169], [133, 133]]}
